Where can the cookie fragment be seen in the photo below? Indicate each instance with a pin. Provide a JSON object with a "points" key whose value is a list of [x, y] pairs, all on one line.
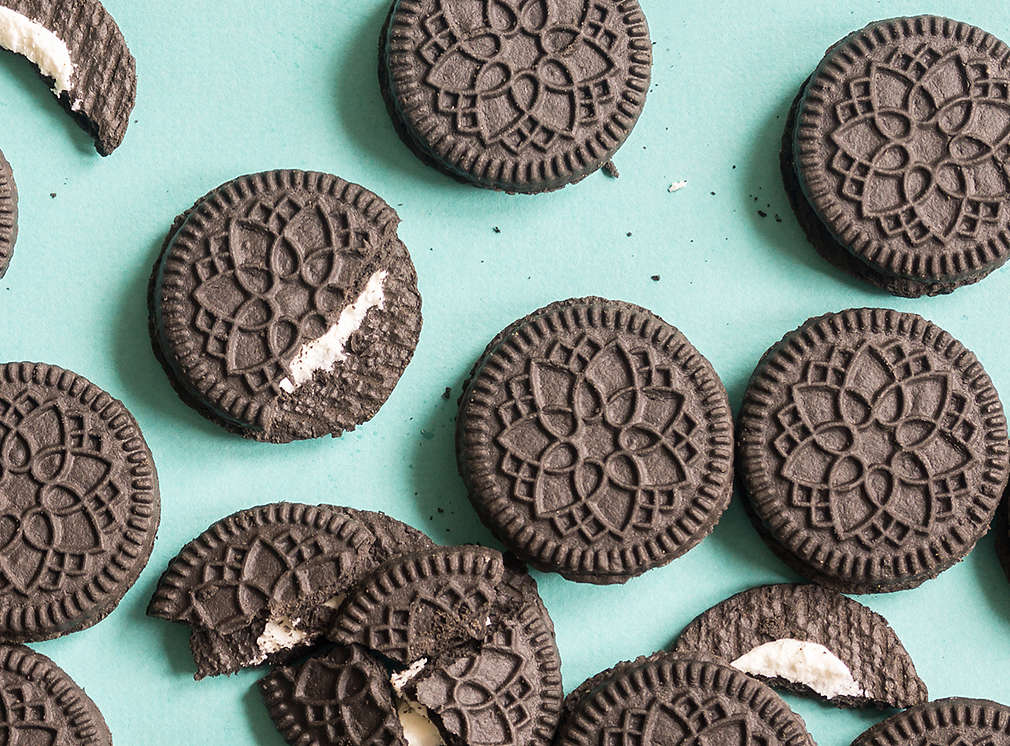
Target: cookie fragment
{"points": [[514, 95], [894, 154], [595, 441], [945, 721], [873, 448], [79, 502], [809, 640], [284, 307], [265, 582], [8, 214], [43, 705], [78, 46], [676, 701]]}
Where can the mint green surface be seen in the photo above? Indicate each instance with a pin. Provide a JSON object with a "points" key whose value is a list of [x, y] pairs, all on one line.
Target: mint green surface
{"points": [[234, 86]]}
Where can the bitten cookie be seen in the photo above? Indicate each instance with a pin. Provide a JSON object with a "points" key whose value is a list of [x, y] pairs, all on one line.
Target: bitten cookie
{"points": [[945, 721], [894, 154], [79, 502], [677, 701], [265, 582], [77, 45], [43, 705], [873, 448], [284, 306], [8, 214], [595, 441], [809, 640], [512, 95]]}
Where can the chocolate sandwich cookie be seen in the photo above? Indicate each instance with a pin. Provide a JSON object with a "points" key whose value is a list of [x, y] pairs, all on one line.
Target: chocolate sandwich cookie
{"points": [[263, 583], [448, 646], [515, 95], [595, 441], [43, 705], [809, 640], [79, 502], [873, 448], [946, 721], [1002, 528], [77, 46], [678, 701], [8, 214], [894, 154], [284, 306]]}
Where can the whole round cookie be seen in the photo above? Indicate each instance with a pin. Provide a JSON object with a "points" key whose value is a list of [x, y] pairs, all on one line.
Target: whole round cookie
{"points": [[678, 701], [43, 705], [595, 441], [952, 721], [873, 448], [284, 306], [79, 502], [8, 214], [898, 142], [517, 95]]}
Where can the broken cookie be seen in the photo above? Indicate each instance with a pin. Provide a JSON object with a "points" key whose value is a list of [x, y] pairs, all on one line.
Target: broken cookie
{"points": [[809, 640]]}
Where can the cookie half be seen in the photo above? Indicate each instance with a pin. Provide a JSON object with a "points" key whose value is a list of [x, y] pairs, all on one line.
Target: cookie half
{"points": [[79, 502], [8, 214], [77, 45], [873, 448], [895, 150], [678, 701], [44, 705], [284, 306], [595, 441], [809, 640], [265, 582], [945, 721], [513, 95]]}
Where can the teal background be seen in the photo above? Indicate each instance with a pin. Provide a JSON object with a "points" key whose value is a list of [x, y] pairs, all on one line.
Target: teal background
{"points": [[235, 86]]}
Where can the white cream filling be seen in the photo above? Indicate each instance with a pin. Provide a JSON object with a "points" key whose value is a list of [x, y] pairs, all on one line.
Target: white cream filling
{"points": [[677, 185], [331, 348], [418, 730], [282, 633], [806, 663], [22, 35]]}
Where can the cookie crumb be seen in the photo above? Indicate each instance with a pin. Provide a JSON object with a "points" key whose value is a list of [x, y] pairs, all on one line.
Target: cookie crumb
{"points": [[496, 229], [447, 394], [52, 195], [655, 278], [677, 185], [629, 234], [762, 213], [610, 169]]}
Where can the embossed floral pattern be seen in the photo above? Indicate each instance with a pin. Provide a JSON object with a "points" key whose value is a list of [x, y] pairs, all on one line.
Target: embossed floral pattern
{"points": [[876, 444], [921, 145], [686, 720], [961, 740], [521, 73], [58, 494], [596, 438], [271, 281], [28, 716]]}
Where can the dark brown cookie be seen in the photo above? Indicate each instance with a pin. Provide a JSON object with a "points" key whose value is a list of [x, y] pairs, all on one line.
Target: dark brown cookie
{"points": [[678, 701], [79, 47], [79, 502], [809, 640], [1001, 525], [595, 441], [284, 306], [42, 705], [8, 214], [266, 581], [873, 448], [894, 154], [517, 95], [945, 722]]}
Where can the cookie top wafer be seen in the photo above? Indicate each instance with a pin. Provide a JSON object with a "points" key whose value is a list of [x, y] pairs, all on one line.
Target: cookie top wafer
{"points": [[79, 502], [284, 306], [514, 95], [901, 136], [8, 214], [945, 721], [873, 447], [595, 440]]}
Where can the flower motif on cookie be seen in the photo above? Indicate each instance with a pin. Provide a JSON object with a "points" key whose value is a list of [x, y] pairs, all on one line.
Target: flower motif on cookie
{"points": [[28, 715], [596, 439], [876, 445], [685, 720], [922, 143], [272, 281], [521, 73], [57, 495]]}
